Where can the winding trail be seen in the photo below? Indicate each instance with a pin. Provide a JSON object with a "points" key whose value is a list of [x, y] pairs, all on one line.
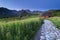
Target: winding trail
{"points": [[48, 31]]}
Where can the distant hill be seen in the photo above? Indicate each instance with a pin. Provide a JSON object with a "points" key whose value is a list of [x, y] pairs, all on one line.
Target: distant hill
{"points": [[4, 12], [55, 12]]}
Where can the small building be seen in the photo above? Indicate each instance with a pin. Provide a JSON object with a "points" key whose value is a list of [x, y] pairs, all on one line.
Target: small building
{"points": [[46, 14]]}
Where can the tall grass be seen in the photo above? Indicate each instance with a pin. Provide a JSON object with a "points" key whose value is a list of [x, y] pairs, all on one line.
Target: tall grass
{"points": [[56, 21], [19, 29]]}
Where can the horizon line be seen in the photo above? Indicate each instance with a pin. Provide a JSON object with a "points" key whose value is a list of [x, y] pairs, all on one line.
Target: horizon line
{"points": [[30, 9]]}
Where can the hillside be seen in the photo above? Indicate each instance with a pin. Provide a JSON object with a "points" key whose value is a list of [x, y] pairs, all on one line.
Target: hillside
{"points": [[4, 12]]}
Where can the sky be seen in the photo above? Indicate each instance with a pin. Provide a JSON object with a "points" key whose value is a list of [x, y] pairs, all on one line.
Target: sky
{"points": [[30, 4]]}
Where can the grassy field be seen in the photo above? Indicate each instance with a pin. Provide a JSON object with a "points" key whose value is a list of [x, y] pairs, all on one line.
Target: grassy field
{"points": [[24, 29], [19, 29], [56, 21]]}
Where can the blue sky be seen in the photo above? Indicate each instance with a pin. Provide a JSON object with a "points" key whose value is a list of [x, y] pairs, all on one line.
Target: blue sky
{"points": [[30, 4]]}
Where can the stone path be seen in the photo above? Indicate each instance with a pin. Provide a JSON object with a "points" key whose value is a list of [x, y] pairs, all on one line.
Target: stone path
{"points": [[48, 31]]}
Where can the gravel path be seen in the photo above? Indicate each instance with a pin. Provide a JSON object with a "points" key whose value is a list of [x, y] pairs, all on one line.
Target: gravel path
{"points": [[48, 31]]}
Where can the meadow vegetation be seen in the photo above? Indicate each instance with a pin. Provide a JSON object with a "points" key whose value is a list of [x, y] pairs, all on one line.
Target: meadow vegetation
{"points": [[17, 29], [56, 21]]}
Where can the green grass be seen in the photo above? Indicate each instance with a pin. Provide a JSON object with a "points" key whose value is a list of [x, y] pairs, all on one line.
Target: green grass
{"points": [[56, 21], [16, 18], [19, 29], [22, 29]]}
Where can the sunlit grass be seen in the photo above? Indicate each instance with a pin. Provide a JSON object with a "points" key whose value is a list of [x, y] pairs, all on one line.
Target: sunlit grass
{"points": [[56, 21], [19, 29]]}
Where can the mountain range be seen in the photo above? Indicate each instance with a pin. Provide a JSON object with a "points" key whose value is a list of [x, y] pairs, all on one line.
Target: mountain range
{"points": [[5, 12]]}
